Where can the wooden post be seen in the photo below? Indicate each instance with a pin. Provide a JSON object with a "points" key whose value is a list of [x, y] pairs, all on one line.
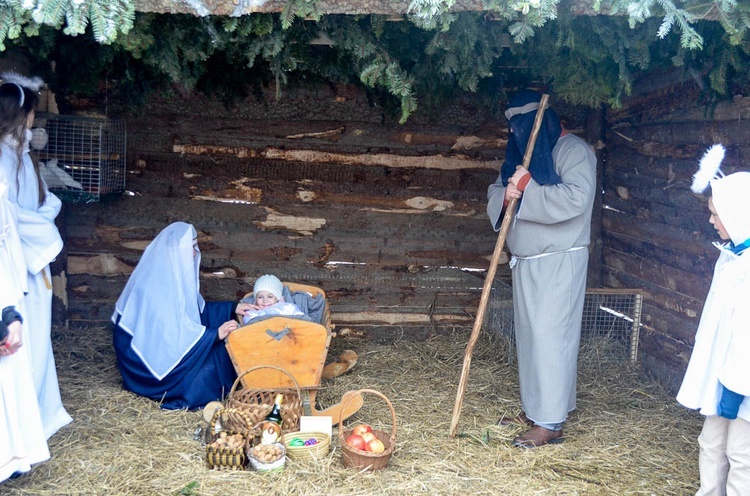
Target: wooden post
{"points": [[510, 212]]}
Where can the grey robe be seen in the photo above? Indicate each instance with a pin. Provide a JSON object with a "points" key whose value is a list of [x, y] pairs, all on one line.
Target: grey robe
{"points": [[549, 278]]}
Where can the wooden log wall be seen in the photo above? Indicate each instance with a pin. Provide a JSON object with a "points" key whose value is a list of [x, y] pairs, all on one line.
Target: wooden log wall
{"points": [[389, 221], [655, 231]]}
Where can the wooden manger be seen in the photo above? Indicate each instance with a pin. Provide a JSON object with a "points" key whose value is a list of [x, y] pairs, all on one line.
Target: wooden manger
{"points": [[298, 347]]}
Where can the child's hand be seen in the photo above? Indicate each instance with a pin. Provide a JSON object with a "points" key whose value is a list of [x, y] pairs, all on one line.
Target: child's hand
{"points": [[227, 328], [13, 341], [512, 192]]}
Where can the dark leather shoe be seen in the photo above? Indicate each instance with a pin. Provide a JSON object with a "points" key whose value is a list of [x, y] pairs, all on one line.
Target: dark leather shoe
{"points": [[538, 436], [520, 419]]}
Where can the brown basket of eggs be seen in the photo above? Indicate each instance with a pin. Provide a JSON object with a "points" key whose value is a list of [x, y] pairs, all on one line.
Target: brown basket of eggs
{"points": [[365, 448], [226, 446]]}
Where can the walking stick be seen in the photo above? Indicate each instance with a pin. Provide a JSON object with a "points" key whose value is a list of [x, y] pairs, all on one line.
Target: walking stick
{"points": [[510, 211]]}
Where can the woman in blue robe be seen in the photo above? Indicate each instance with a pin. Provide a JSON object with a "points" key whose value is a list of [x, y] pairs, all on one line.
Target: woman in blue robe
{"points": [[169, 342]]}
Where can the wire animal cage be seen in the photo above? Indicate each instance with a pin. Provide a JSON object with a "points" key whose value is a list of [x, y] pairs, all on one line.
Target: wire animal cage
{"points": [[610, 328], [84, 158]]}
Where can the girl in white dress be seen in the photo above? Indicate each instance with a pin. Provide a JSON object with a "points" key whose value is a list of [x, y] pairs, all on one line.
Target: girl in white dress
{"points": [[22, 440], [36, 209]]}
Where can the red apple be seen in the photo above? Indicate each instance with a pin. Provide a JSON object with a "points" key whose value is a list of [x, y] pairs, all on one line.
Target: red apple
{"points": [[356, 442], [360, 429], [376, 446], [368, 436]]}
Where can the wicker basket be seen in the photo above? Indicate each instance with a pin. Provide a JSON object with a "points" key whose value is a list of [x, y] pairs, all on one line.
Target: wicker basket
{"points": [[258, 403], [366, 460], [313, 452], [225, 458]]}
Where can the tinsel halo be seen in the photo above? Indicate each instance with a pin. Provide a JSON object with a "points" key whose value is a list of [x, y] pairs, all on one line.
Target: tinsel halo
{"points": [[33, 83]]}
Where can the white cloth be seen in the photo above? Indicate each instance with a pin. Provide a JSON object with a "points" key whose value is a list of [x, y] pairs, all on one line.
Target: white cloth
{"points": [[722, 343], [281, 308], [41, 243], [158, 305], [22, 439], [12, 264], [721, 354]]}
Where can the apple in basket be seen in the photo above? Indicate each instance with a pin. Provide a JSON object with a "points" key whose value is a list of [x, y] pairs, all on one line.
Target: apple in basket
{"points": [[360, 429], [356, 441], [368, 436], [376, 446]]}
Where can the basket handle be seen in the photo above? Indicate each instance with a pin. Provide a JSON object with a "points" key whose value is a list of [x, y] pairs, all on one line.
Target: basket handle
{"points": [[220, 411], [387, 402], [257, 367]]}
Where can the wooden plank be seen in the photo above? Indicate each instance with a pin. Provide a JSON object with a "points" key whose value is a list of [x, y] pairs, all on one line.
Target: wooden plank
{"points": [[313, 156], [683, 312], [668, 169], [699, 263], [658, 274], [681, 139], [655, 190], [655, 232]]}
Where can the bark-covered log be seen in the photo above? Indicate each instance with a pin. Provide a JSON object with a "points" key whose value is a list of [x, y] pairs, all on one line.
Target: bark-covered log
{"points": [[658, 274]]}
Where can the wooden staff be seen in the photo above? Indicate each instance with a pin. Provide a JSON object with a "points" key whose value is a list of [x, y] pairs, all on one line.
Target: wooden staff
{"points": [[510, 211]]}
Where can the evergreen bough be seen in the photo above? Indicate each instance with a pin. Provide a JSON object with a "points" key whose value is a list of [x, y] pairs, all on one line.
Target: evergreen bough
{"points": [[590, 60]]}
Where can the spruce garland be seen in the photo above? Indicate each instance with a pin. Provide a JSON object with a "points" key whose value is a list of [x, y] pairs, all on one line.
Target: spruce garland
{"points": [[589, 60]]}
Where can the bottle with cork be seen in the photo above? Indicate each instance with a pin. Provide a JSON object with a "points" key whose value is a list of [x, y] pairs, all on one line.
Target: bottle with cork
{"points": [[271, 425]]}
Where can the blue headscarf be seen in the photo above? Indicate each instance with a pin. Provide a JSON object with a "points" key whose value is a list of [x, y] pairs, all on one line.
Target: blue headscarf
{"points": [[521, 114]]}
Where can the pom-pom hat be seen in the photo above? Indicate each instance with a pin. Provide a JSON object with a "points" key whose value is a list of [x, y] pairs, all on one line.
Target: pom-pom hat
{"points": [[269, 283], [729, 193]]}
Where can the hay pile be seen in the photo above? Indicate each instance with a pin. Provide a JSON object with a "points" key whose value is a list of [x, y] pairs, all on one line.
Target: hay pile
{"points": [[628, 435]]}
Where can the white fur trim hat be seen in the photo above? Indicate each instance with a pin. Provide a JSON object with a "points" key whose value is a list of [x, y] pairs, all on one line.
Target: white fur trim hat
{"points": [[730, 195], [269, 283]]}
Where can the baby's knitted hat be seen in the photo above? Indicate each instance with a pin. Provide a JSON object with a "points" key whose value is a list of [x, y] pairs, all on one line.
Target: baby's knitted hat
{"points": [[269, 283]]}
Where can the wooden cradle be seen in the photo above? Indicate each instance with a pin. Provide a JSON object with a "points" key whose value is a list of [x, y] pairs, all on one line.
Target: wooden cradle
{"points": [[297, 346]]}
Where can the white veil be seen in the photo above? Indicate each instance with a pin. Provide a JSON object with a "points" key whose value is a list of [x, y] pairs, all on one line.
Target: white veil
{"points": [[161, 303]]}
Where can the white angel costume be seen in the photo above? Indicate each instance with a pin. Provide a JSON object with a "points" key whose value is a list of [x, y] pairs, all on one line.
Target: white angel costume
{"points": [[721, 354], [41, 243], [22, 439]]}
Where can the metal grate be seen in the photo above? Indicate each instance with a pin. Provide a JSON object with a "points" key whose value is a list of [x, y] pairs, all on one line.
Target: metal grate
{"points": [[609, 331], [84, 158]]}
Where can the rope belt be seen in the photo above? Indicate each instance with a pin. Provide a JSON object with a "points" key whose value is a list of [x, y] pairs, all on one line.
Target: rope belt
{"points": [[514, 259], [46, 280]]}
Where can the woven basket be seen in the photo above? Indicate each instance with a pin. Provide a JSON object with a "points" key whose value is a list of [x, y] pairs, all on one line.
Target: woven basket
{"points": [[313, 452], [366, 460], [258, 403], [224, 458]]}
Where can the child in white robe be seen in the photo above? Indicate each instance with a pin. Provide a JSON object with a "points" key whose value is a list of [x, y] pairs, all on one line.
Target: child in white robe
{"points": [[22, 440], [717, 380], [36, 209]]}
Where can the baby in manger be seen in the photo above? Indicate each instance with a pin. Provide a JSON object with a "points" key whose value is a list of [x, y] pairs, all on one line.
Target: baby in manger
{"points": [[271, 298]]}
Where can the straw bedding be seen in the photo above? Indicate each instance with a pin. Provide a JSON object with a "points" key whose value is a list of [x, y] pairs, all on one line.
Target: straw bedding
{"points": [[628, 435]]}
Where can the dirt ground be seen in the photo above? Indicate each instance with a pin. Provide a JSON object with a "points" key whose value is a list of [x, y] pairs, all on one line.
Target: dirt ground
{"points": [[627, 437]]}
